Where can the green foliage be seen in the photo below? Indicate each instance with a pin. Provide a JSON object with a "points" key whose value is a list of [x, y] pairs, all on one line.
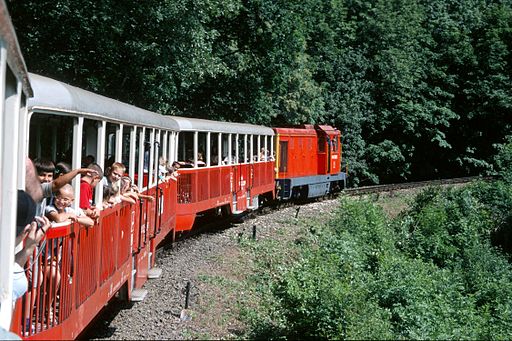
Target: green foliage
{"points": [[504, 160], [420, 89], [431, 273]]}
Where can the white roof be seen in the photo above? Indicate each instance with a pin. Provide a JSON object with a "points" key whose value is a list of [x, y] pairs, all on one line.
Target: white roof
{"points": [[195, 124], [57, 97]]}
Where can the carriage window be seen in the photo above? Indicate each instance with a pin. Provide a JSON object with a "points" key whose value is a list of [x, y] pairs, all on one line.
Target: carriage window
{"points": [[110, 144], [234, 144], [254, 140], [214, 149], [125, 158], [241, 148], [201, 149], [226, 152], [269, 152], [90, 142], [186, 148], [51, 137]]}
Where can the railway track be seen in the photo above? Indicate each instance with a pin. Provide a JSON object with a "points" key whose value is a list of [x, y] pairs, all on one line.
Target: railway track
{"points": [[211, 223], [409, 185]]}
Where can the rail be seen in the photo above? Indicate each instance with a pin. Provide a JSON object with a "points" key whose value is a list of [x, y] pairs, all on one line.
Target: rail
{"points": [[416, 184]]}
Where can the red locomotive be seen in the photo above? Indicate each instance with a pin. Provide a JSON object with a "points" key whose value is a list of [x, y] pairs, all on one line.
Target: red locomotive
{"points": [[308, 162]]}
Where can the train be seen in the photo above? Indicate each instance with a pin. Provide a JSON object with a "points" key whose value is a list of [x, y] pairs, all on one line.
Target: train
{"points": [[228, 169]]}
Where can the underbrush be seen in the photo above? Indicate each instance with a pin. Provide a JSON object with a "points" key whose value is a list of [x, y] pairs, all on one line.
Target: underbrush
{"points": [[439, 270]]}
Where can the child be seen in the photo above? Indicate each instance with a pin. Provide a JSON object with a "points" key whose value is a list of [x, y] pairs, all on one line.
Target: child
{"points": [[109, 197], [132, 191], [61, 209], [112, 180], [87, 184]]}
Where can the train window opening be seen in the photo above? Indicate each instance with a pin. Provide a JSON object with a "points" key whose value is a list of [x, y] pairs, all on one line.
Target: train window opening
{"points": [[89, 142], [51, 137], [186, 149], [214, 149], [126, 143], [137, 153], [234, 148], [269, 153], [242, 145], [334, 142], [162, 146], [110, 144], [321, 144], [283, 156], [201, 149], [225, 149], [254, 148]]}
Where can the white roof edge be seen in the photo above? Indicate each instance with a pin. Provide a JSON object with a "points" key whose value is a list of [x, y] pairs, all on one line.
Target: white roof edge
{"points": [[57, 97], [53, 96], [203, 125]]}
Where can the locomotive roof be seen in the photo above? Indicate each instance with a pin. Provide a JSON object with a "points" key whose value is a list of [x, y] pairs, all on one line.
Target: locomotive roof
{"points": [[196, 124], [57, 97]]}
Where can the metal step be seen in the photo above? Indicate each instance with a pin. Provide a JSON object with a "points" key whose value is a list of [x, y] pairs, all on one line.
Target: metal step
{"points": [[138, 295], [154, 273]]}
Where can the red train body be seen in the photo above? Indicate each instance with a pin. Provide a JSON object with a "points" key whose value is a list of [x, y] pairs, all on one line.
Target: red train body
{"points": [[308, 161]]}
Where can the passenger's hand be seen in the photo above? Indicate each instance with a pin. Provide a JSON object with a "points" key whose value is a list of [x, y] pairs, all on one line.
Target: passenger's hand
{"points": [[36, 232], [88, 172]]}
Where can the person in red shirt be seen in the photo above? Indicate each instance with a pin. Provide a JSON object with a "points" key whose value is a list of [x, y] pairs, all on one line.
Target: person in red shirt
{"points": [[87, 184]]}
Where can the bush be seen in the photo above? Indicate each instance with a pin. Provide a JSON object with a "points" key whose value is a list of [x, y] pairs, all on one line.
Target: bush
{"points": [[432, 273]]}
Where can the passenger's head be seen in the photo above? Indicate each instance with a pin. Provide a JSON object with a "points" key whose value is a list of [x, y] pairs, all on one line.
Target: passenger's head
{"points": [[109, 195], [87, 160], [98, 176], [126, 184], [116, 171], [64, 197], [62, 168], [45, 169], [176, 165], [32, 183]]}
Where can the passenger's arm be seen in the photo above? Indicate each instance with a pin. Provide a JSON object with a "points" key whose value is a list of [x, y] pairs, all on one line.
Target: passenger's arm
{"points": [[83, 220], [58, 217], [66, 178]]}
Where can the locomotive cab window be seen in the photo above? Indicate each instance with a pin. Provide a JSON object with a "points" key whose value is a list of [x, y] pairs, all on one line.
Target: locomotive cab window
{"points": [[334, 142], [321, 144], [283, 156]]}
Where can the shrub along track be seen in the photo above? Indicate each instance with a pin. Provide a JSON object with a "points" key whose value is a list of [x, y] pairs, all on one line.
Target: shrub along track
{"points": [[215, 255]]}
